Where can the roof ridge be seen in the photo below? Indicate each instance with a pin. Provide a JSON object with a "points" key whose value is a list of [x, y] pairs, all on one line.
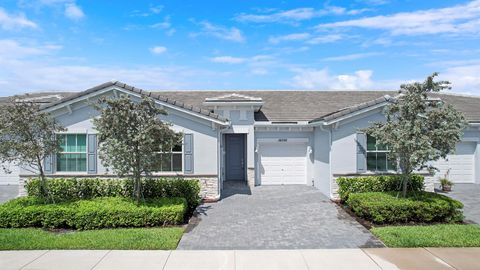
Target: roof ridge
{"points": [[354, 108], [141, 92]]}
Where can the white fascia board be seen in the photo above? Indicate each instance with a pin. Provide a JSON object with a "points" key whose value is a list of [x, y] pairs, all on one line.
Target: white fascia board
{"points": [[356, 113], [114, 88], [282, 140], [270, 124], [236, 103], [255, 105]]}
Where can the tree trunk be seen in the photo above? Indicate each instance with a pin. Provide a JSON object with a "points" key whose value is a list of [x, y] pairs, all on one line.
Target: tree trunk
{"points": [[43, 180], [405, 179], [138, 188]]}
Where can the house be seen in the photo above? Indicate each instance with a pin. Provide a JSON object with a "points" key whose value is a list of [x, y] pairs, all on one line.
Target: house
{"points": [[260, 137]]}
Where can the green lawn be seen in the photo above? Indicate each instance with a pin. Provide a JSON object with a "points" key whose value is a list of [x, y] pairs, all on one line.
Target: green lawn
{"points": [[444, 235], [138, 238]]}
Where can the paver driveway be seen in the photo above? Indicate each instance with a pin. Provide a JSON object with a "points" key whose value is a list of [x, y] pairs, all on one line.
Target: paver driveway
{"points": [[469, 195], [275, 217], [8, 192]]}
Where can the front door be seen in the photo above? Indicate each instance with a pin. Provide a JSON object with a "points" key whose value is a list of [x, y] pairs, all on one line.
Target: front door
{"points": [[235, 156]]}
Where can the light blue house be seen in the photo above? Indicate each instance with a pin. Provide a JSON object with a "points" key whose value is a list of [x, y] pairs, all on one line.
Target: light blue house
{"points": [[259, 137]]}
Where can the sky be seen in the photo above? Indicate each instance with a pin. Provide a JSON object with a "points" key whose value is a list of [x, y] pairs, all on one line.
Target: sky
{"points": [[72, 45]]}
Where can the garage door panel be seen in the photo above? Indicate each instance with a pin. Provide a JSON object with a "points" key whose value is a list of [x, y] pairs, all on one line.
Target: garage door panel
{"points": [[282, 163], [460, 164]]}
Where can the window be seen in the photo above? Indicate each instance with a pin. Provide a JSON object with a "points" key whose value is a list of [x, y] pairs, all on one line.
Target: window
{"points": [[377, 156], [170, 161], [73, 154]]}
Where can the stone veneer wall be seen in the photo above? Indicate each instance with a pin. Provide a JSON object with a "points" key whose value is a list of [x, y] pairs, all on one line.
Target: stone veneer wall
{"points": [[208, 185], [428, 183], [251, 177]]}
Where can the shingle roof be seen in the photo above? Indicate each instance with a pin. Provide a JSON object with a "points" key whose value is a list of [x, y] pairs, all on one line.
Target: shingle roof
{"points": [[39, 98], [354, 108], [157, 96], [289, 106]]}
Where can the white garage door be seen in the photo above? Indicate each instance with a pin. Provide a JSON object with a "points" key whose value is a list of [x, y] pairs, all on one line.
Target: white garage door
{"points": [[9, 179], [282, 163], [461, 164]]}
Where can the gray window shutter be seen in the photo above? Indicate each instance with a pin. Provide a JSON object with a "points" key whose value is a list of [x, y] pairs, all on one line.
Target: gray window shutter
{"points": [[188, 153], [48, 164], [361, 142], [92, 154]]}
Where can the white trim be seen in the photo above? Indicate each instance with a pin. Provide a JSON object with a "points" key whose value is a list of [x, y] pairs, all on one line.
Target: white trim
{"points": [[237, 129], [284, 124], [379, 105], [282, 140], [249, 98], [128, 92]]}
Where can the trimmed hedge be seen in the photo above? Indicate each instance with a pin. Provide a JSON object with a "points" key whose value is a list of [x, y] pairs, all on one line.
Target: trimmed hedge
{"points": [[421, 207], [375, 183], [71, 189], [108, 212]]}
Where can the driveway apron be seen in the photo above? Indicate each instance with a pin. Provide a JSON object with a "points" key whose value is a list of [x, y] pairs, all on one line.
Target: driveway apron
{"points": [[274, 217]]}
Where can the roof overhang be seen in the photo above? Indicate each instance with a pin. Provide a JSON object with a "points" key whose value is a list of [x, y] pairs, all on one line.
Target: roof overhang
{"points": [[234, 100], [118, 87], [353, 111]]}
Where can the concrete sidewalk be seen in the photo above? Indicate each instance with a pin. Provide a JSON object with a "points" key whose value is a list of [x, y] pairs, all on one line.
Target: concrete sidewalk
{"points": [[338, 259]]}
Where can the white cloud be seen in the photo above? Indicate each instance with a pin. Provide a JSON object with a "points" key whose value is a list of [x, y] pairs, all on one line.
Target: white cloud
{"points": [[20, 72], [349, 57], [158, 50], [259, 71], [464, 78], [11, 49], [296, 15], [165, 25], [464, 18], [230, 34], [228, 60], [325, 39], [289, 37], [156, 9], [257, 65], [13, 22], [74, 12], [307, 37], [322, 79], [153, 10]]}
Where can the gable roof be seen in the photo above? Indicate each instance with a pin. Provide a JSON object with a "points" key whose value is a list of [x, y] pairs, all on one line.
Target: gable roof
{"points": [[233, 97], [284, 106], [155, 96], [288, 106], [353, 109]]}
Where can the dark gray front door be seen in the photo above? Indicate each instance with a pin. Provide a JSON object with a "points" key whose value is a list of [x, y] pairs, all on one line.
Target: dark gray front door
{"points": [[235, 156]]}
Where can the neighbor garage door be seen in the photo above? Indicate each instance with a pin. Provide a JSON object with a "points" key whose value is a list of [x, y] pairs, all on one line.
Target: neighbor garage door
{"points": [[461, 164], [9, 178], [283, 163]]}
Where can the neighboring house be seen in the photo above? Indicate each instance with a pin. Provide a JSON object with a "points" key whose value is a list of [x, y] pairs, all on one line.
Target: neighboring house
{"points": [[260, 137]]}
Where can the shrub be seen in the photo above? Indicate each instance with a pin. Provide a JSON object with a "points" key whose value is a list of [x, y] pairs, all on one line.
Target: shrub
{"points": [[107, 212], [71, 189], [375, 183], [422, 207]]}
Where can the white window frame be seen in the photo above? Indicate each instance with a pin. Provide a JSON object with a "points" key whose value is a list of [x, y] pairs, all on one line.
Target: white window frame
{"points": [[86, 153], [171, 161], [376, 151]]}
